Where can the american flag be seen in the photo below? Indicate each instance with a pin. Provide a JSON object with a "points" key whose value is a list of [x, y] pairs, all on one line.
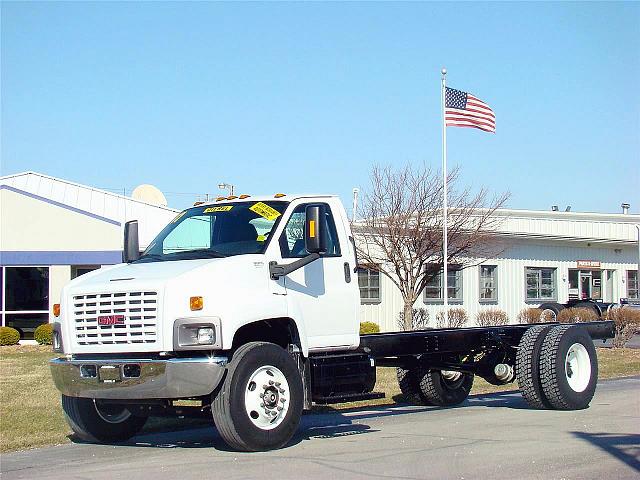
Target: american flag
{"points": [[462, 109]]}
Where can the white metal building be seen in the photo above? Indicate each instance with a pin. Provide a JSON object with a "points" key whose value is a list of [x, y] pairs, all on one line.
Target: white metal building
{"points": [[548, 256], [51, 231]]}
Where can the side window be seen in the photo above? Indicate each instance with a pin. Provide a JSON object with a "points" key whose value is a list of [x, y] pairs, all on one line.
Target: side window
{"points": [[292, 238]]}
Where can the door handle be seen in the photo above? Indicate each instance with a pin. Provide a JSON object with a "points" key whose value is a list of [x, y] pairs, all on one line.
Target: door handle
{"points": [[347, 272]]}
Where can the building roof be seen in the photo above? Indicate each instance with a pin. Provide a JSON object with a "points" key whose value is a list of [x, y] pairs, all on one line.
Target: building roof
{"points": [[82, 197]]}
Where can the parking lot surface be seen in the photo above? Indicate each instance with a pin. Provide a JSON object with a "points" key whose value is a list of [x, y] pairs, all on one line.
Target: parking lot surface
{"points": [[490, 436]]}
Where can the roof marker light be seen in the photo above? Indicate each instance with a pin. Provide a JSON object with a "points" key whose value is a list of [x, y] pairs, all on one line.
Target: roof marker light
{"points": [[279, 195]]}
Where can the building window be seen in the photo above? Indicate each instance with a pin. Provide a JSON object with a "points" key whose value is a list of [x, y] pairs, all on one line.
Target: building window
{"points": [[632, 284], [540, 284], [369, 283], [24, 298], [488, 283], [77, 270], [433, 289]]}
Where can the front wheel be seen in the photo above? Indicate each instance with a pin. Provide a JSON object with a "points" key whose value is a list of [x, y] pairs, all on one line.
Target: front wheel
{"points": [[260, 403], [93, 421]]}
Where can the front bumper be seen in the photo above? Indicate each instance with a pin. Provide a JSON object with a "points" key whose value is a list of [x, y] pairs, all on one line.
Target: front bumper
{"points": [[135, 379]]}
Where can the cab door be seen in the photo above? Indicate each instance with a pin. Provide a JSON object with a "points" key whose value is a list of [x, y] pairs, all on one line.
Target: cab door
{"points": [[324, 293]]}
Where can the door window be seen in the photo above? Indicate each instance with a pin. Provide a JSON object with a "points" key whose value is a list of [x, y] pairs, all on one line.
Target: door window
{"points": [[292, 239]]}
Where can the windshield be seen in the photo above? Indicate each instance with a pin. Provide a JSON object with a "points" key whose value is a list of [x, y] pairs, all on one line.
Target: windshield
{"points": [[211, 231]]}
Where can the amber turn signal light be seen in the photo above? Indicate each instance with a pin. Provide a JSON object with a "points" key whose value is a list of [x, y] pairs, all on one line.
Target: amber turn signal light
{"points": [[56, 309], [196, 303]]}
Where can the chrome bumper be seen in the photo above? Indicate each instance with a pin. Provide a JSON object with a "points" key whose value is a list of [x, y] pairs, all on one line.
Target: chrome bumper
{"points": [[133, 379]]}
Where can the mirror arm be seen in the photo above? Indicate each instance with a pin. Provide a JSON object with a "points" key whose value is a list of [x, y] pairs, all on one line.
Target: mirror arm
{"points": [[276, 271]]}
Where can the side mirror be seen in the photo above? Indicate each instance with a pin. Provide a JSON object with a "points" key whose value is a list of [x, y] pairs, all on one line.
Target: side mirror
{"points": [[315, 236], [131, 249]]}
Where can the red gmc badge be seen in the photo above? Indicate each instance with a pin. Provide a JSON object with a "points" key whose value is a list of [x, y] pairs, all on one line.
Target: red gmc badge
{"points": [[111, 320]]}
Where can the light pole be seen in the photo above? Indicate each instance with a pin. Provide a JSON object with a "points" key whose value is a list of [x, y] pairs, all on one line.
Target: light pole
{"points": [[226, 186]]}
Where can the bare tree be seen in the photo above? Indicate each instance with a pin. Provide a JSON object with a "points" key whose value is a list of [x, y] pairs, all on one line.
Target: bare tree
{"points": [[400, 234]]}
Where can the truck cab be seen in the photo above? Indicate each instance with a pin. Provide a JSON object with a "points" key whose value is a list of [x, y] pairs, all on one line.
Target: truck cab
{"points": [[211, 266]]}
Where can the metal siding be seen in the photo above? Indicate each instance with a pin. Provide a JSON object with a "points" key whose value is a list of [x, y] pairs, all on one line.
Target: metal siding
{"points": [[511, 282]]}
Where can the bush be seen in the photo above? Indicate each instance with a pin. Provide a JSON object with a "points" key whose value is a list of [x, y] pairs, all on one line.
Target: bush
{"points": [[369, 327], [419, 321], [456, 318], [492, 317], [44, 334], [9, 336], [627, 321], [577, 315], [529, 315]]}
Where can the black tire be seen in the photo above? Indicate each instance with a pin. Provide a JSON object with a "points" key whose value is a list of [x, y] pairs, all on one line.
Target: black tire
{"points": [[437, 390], [230, 414], [589, 306], [94, 422], [568, 379], [409, 383], [553, 308], [528, 366]]}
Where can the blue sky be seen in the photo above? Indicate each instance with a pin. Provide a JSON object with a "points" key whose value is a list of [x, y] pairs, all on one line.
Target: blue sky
{"points": [[306, 97]]}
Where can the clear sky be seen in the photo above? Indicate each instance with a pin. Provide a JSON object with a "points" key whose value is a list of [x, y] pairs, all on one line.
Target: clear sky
{"points": [[306, 97]]}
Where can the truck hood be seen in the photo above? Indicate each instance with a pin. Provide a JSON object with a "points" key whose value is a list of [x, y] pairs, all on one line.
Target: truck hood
{"points": [[120, 275]]}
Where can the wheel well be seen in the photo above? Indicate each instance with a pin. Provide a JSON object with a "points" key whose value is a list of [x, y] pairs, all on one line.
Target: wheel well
{"points": [[281, 331]]}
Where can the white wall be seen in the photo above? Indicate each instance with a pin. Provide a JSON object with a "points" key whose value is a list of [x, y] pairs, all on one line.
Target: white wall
{"points": [[511, 279]]}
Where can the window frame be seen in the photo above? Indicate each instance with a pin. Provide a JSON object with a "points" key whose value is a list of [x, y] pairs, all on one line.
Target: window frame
{"points": [[458, 300], [369, 271], [495, 297], [3, 304], [539, 298], [629, 289]]}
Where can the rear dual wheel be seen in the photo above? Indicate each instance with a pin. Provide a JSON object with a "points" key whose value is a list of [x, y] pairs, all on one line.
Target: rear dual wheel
{"points": [[442, 388], [557, 367]]}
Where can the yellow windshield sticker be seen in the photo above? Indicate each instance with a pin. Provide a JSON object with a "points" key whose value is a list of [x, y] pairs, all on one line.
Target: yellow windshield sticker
{"points": [[178, 217], [221, 208], [265, 211], [261, 238]]}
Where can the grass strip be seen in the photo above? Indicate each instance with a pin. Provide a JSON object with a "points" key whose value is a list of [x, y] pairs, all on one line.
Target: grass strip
{"points": [[31, 415]]}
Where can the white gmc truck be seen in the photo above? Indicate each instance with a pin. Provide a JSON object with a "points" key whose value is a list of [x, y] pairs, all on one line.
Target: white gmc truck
{"points": [[248, 307]]}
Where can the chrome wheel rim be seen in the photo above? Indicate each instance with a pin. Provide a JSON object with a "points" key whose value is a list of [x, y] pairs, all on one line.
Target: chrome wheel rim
{"points": [[548, 315], [267, 397], [112, 414], [578, 367]]}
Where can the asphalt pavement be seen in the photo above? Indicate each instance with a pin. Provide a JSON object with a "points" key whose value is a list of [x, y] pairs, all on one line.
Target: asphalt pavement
{"points": [[490, 436]]}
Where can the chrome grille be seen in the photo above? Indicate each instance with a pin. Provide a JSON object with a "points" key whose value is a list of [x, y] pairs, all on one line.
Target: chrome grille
{"points": [[140, 310]]}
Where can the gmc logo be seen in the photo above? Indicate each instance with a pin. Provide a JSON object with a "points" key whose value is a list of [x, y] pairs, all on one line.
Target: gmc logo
{"points": [[111, 320]]}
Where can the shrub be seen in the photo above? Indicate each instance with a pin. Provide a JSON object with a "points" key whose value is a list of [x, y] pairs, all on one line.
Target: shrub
{"points": [[627, 321], [456, 318], [419, 321], [492, 317], [529, 315], [369, 327], [44, 334], [577, 315], [9, 336]]}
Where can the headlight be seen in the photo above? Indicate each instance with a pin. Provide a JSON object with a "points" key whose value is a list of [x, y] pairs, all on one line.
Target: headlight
{"points": [[197, 333]]}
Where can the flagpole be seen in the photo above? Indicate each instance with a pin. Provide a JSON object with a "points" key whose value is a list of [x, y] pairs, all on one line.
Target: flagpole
{"points": [[445, 206]]}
